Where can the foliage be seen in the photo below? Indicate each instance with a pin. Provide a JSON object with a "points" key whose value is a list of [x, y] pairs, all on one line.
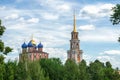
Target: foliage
{"points": [[83, 71], [7, 50], [3, 49], [53, 69], [2, 29], [115, 17], [71, 70]]}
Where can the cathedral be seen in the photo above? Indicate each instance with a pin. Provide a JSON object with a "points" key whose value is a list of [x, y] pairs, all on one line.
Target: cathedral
{"points": [[32, 52], [74, 53]]}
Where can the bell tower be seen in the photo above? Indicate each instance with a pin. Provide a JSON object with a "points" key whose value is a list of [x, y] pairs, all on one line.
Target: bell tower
{"points": [[74, 53]]}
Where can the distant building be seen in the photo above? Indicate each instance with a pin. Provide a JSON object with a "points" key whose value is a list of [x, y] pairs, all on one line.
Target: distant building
{"points": [[74, 53], [32, 52]]}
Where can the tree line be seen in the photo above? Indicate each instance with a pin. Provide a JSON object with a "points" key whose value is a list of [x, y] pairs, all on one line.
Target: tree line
{"points": [[53, 69]]}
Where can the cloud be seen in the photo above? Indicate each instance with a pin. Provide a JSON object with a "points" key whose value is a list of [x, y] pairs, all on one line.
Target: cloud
{"points": [[95, 11], [50, 16], [12, 16], [64, 7], [33, 20], [87, 27], [104, 58], [2, 7], [99, 35], [57, 6], [111, 52], [57, 53], [114, 60]]}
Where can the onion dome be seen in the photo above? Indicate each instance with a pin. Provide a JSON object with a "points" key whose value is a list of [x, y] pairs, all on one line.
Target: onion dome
{"points": [[24, 45], [30, 44], [33, 42], [40, 45]]}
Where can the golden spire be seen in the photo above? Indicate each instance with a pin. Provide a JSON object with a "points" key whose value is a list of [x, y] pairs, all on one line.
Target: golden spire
{"points": [[74, 29]]}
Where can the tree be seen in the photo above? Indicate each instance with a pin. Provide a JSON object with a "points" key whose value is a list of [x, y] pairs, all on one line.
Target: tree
{"points": [[96, 69], [21, 73], [53, 68], [108, 71], [35, 71], [3, 49], [71, 70], [115, 17], [2, 68], [10, 68], [2, 29], [83, 71]]}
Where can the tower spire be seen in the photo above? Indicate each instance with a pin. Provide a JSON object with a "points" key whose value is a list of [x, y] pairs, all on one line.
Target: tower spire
{"points": [[74, 29]]}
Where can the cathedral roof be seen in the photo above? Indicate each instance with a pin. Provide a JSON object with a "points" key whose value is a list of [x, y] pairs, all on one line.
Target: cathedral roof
{"points": [[24, 45], [40, 45]]}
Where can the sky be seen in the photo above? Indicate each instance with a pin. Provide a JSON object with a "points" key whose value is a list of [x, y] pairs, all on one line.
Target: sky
{"points": [[51, 22]]}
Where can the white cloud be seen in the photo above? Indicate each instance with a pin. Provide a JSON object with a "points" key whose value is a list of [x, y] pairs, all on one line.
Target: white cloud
{"points": [[50, 16], [57, 6], [57, 53], [112, 56], [65, 28], [97, 38], [33, 20], [104, 58], [95, 11], [87, 27], [112, 52], [2, 7], [63, 7], [12, 16], [99, 35]]}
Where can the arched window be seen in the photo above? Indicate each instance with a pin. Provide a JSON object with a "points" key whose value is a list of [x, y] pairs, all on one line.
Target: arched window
{"points": [[76, 36]]}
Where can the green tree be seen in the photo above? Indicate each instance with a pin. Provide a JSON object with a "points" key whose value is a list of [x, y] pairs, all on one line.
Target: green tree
{"points": [[36, 72], [83, 71], [96, 69], [2, 29], [21, 73], [108, 71], [115, 17], [53, 68], [3, 49], [10, 68], [71, 70], [2, 68]]}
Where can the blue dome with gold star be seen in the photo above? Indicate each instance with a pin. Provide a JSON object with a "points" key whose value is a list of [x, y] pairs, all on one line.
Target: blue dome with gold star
{"points": [[40, 45], [24, 45]]}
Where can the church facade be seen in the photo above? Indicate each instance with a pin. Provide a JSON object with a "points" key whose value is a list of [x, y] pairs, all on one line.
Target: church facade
{"points": [[74, 53], [32, 52]]}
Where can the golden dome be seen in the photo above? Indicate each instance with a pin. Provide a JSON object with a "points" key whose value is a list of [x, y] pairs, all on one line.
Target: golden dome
{"points": [[33, 42]]}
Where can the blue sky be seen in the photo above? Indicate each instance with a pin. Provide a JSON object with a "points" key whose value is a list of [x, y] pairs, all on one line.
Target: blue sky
{"points": [[51, 22]]}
